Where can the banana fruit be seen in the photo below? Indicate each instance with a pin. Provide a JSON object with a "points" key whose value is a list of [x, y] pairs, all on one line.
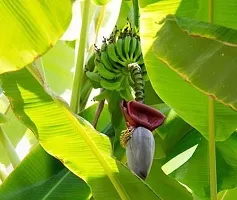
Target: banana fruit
{"points": [[112, 62]]}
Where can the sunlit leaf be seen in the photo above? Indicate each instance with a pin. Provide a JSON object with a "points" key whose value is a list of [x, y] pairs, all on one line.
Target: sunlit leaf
{"points": [[187, 101], [71, 139], [28, 29], [210, 65]]}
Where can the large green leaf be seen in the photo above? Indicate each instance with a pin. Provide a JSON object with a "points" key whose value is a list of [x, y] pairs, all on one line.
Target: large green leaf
{"points": [[29, 28], [194, 9], [195, 172], [69, 138], [210, 64], [187, 101], [40, 176]]}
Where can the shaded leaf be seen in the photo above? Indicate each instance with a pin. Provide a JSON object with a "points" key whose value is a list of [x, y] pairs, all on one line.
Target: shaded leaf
{"points": [[40, 176]]}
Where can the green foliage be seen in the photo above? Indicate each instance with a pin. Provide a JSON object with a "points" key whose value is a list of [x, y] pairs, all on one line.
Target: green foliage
{"points": [[33, 27], [189, 54], [40, 176], [53, 123]]}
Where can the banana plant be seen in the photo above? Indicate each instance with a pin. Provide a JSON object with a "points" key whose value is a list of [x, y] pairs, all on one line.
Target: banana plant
{"points": [[115, 99]]}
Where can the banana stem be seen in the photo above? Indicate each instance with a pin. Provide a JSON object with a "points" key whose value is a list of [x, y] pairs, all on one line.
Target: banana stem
{"points": [[13, 157], [98, 112], [212, 150], [136, 13], [136, 74], [211, 142], [76, 90]]}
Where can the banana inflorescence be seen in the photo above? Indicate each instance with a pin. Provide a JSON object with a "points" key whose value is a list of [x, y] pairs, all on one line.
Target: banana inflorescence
{"points": [[113, 63]]}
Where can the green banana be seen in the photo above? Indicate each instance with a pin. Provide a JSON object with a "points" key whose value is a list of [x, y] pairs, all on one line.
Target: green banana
{"points": [[101, 96], [138, 51], [110, 85], [106, 73], [126, 45], [90, 65], [112, 54], [93, 76], [108, 65], [94, 79], [126, 94], [119, 48], [133, 47], [116, 65]]}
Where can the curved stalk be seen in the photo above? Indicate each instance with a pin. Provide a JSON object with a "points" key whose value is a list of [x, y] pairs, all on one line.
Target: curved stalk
{"points": [[139, 83]]}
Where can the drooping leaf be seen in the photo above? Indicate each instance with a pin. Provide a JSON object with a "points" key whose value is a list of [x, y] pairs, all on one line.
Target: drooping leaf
{"points": [[69, 138], [210, 65], [28, 29], [187, 101], [40, 176]]}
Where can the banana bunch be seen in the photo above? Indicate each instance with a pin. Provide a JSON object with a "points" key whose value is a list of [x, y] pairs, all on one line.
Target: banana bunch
{"points": [[112, 61]]}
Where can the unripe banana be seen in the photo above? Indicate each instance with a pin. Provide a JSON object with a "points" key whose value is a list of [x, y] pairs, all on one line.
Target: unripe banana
{"points": [[112, 54], [101, 96], [111, 84], [93, 76], [126, 45], [119, 49], [140, 151], [108, 65], [106, 73], [138, 51], [133, 47], [90, 65], [94, 79]]}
